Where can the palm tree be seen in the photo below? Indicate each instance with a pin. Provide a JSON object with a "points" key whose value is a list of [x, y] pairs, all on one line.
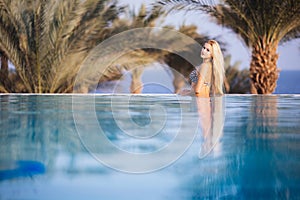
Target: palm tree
{"points": [[47, 41], [135, 60], [262, 24]]}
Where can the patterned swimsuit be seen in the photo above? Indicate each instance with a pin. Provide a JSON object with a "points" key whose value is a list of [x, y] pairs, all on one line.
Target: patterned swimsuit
{"points": [[194, 76]]}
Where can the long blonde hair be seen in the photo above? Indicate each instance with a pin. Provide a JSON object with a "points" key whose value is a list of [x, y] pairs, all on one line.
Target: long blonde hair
{"points": [[218, 72]]}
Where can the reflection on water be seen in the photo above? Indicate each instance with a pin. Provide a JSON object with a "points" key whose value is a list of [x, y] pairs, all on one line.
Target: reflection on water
{"points": [[263, 121], [249, 148], [211, 114]]}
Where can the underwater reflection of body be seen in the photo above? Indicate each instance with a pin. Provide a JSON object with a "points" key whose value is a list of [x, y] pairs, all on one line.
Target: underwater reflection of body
{"points": [[211, 116]]}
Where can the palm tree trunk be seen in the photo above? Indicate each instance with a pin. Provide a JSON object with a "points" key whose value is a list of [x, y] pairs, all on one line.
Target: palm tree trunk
{"points": [[263, 68], [136, 86]]}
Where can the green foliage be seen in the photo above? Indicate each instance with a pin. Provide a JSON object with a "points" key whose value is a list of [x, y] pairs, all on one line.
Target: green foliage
{"points": [[46, 41], [253, 20]]}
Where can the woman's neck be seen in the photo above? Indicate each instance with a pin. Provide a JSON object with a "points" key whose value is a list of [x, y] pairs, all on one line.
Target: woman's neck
{"points": [[207, 60]]}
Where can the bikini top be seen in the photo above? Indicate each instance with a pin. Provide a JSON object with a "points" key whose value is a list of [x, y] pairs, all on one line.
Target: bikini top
{"points": [[194, 76]]}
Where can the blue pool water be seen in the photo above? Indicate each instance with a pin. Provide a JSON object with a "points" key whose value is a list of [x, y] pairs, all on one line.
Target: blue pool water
{"points": [[149, 147]]}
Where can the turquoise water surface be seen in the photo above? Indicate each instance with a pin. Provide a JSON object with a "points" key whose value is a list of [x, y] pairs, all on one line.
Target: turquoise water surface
{"points": [[149, 147]]}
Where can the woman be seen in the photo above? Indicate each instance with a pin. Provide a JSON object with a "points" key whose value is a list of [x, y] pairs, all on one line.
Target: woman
{"points": [[207, 79]]}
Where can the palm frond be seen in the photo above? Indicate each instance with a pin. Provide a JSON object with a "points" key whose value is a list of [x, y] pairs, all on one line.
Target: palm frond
{"points": [[48, 40], [86, 28], [188, 5], [269, 19], [12, 41], [294, 34]]}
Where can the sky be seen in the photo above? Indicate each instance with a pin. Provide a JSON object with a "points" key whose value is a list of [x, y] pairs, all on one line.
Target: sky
{"points": [[289, 53]]}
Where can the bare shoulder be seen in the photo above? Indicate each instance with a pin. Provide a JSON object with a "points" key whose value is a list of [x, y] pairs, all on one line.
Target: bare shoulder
{"points": [[204, 67]]}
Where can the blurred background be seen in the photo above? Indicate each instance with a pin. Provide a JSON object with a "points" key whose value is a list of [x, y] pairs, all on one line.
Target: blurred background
{"points": [[43, 45]]}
